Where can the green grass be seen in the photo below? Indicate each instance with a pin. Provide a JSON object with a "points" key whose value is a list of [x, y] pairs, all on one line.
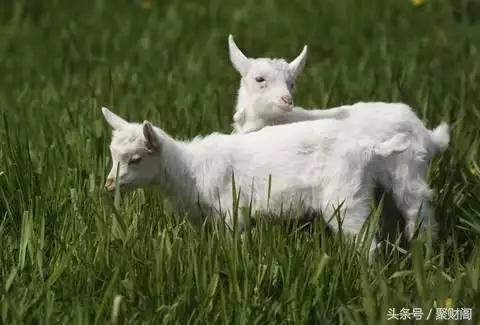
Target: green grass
{"points": [[67, 255]]}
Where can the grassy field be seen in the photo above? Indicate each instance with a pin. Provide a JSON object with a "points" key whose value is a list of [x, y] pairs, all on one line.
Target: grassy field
{"points": [[71, 254]]}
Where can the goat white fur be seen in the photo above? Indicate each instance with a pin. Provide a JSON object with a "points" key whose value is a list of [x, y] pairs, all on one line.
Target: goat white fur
{"points": [[314, 166], [266, 90], [405, 175]]}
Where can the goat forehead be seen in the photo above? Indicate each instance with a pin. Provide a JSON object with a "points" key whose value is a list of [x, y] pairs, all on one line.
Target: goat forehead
{"points": [[271, 67], [126, 142], [278, 64], [122, 149], [126, 136]]}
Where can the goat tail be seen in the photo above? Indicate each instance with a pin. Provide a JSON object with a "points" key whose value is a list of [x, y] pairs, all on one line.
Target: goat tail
{"points": [[440, 137], [397, 144]]}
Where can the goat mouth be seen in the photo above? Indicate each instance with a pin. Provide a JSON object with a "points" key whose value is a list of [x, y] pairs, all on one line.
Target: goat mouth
{"points": [[286, 108], [111, 187]]}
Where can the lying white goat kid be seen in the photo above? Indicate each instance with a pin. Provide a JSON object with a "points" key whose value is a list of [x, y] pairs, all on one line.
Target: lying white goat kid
{"points": [[314, 166], [265, 94], [405, 176]]}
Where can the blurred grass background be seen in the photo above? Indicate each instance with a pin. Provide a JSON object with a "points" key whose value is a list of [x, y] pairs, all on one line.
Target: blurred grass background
{"points": [[68, 256]]}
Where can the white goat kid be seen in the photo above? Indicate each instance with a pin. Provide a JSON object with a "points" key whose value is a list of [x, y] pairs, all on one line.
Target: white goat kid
{"points": [[265, 93], [314, 165], [404, 175]]}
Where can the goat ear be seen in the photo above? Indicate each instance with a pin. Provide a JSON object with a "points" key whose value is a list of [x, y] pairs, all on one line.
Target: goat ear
{"points": [[296, 66], [152, 141], [240, 62], [115, 121]]}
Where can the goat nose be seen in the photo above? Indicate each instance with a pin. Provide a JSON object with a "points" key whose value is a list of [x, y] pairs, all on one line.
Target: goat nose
{"points": [[287, 100], [108, 183]]}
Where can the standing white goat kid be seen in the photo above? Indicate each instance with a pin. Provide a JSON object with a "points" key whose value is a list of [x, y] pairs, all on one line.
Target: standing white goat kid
{"points": [[266, 91], [313, 165], [405, 176]]}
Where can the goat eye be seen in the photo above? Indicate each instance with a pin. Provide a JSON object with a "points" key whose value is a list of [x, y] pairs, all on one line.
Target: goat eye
{"points": [[135, 160], [259, 79]]}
